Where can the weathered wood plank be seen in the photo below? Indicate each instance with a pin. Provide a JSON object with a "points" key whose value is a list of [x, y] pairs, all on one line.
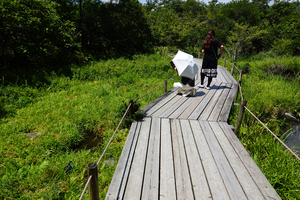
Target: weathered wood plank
{"points": [[220, 103], [199, 64], [174, 107], [211, 104], [213, 176], [167, 179], [223, 116], [183, 183], [201, 106], [229, 77], [221, 75], [118, 183], [250, 188], [190, 106], [160, 104], [256, 174], [199, 183], [234, 189], [166, 106], [153, 103], [135, 180], [225, 75], [151, 177]]}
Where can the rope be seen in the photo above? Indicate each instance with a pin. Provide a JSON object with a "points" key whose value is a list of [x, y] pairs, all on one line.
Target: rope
{"points": [[273, 134], [85, 187], [237, 68], [240, 87], [113, 134], [154, 89]]}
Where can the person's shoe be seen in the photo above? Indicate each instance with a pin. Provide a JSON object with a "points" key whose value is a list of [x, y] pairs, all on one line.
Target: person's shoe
{"points": [[186, 94], [200, 86], [206, 87]]}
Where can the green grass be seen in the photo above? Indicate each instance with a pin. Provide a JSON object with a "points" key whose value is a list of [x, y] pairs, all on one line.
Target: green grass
{"points": [[271, 87], [43, 129]]}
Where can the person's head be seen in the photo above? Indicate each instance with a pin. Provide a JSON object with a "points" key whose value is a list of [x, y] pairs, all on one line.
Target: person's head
{"points": [[211, 33], [209, 38]]}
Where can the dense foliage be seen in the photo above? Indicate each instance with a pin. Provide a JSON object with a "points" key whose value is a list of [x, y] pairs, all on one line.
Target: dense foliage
{"points": [[68, 68], [39, 36]]}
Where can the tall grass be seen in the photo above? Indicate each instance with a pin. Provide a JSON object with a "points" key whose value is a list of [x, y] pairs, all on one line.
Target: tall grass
{"points": [[271, 87], [43, 129]]}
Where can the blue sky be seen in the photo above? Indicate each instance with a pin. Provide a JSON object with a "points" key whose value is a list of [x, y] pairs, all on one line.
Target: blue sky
{"points": [[205, 1]]}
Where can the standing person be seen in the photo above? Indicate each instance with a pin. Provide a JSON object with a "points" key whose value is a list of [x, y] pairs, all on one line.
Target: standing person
{"points": [[211, 56]]}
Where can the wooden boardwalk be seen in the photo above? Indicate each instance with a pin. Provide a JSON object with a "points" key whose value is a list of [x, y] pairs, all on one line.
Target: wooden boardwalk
{"points": [[184, 149]]}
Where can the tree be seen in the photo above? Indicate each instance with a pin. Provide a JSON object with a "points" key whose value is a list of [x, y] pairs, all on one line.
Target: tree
{"points": [[32, 36], [240, 40]]}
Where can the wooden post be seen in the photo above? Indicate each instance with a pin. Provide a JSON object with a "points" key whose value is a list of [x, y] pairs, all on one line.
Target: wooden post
{"points": [[224, 62], [232, 68], [166, 85], [239, 84], [131, 108], [240, 116], [93, 185]]}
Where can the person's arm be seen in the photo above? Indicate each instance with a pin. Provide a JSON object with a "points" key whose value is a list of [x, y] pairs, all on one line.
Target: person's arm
{"points": [[222, 49], [203, 51]]}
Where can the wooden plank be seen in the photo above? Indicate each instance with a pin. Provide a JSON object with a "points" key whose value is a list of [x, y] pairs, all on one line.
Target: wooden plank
{"points": [[221, 75], [256, 174], [223, 116], [199, 64], [225, 74], [182, 108], [229, 77], [151, 177], [160, 104], [166, 106], [118, 183], [201, 106], [153, 103], [234, 189], [174, 107], [220, 103], [190, 106], [250, 188], [213, 176], [135, 180], [167, 179], [182, 178], [199, 183], [211, 104]]}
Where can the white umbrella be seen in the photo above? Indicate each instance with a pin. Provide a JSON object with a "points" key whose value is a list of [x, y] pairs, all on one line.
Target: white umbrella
{"points": [[185, 64]]}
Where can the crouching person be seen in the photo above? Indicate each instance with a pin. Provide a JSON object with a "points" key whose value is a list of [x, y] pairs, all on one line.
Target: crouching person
{"points": [[186, 86]]}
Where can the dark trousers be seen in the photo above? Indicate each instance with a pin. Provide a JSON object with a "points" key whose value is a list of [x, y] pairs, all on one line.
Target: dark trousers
{"points": [[202, 79]]}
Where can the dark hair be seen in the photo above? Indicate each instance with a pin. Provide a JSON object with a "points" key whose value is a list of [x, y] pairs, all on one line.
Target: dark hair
{"points": [[210, 38]]}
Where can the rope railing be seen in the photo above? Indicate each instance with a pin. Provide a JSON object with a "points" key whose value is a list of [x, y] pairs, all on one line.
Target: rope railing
{"points": [[130, 104], [114, 134], [241, 113], [154, 88], [85, 187], [272, 133]]}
